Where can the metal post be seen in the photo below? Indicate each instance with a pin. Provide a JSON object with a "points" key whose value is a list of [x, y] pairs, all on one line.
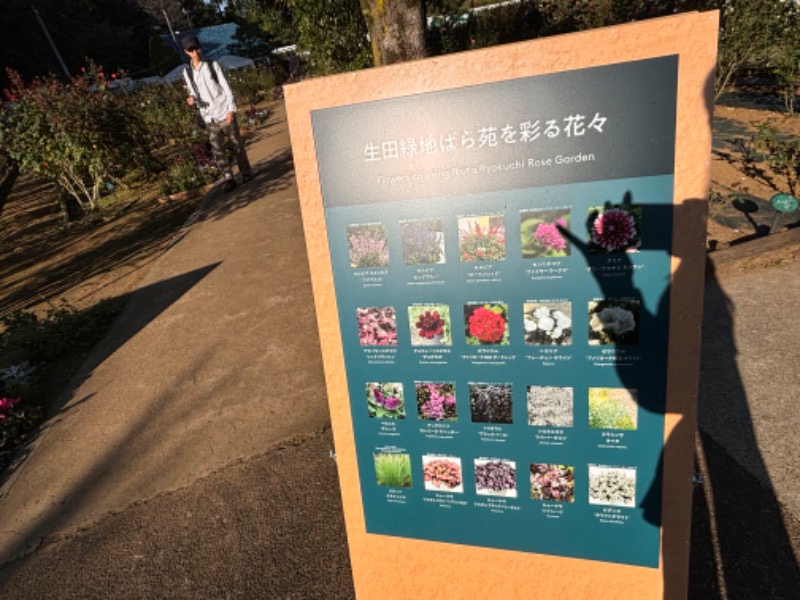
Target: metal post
{"points": [[171, 32], [775, 222], [50, 40]]}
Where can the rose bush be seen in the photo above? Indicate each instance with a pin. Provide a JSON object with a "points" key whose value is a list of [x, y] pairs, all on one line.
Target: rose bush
{"points": [[79, 134]]}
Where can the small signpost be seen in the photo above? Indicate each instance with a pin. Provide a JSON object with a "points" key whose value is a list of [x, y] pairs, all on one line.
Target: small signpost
{"points": [[782, 204]]}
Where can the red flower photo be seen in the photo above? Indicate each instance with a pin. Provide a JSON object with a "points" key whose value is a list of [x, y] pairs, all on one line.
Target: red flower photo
{"points": [[486, 324], [429, 325]]}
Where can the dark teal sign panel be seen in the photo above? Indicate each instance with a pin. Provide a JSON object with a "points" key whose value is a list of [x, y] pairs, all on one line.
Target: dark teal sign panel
{"points": [[501, 259]]}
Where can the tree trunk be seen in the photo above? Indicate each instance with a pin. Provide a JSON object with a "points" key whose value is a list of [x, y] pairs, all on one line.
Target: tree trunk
{"points": [[8, 181], [396, 30]]}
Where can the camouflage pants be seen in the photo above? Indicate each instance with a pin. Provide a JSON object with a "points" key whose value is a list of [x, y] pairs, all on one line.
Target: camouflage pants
{"points": [[224, 137]]}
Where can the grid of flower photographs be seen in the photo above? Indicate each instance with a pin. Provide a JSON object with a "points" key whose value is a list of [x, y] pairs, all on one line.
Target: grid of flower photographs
{"points": [[546, 324], [548, 407], [544, 234]]}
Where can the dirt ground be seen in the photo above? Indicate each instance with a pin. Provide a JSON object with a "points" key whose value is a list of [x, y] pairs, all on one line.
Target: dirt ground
{"points": [[744, 212], [45, 263]]}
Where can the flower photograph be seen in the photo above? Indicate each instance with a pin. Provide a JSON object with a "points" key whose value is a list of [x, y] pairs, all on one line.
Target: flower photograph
{"points": [[547, 323], [552, 483], [423, 242], [496, 478], [613, 322], [550, 406], [615, 229], [540, 236], [393, 469], [436, 401], [429, 325], [490, 403], [486, 324], [377, 326], [481, 238], [442, 474], [368, 246], [613, 408], [385, 400], [612, 486]]}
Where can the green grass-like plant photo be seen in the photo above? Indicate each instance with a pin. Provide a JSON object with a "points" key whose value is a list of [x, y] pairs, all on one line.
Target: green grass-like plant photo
{"points": [[393, 470]]}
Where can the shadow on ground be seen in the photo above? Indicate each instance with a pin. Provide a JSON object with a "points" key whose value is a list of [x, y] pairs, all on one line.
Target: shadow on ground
{"points": [[55, 266], [270, 527], [151, 301], [742, 538]]}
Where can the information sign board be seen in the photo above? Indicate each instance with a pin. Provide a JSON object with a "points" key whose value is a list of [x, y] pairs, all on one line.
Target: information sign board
{"points": [[495, 258]]}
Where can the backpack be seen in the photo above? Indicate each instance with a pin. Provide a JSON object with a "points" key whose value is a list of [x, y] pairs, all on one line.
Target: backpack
{"points": [[190, 71]]}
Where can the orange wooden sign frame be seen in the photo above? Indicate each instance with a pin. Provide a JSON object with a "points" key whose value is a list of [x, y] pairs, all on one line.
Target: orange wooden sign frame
{"points": [[391, 567]]}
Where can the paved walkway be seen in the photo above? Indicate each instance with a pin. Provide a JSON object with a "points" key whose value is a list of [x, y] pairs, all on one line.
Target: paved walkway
{"points": [[191, 457]]}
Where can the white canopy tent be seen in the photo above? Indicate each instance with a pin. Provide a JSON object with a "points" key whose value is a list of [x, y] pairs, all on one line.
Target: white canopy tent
{"points": [[175, 75], [229, 62]]}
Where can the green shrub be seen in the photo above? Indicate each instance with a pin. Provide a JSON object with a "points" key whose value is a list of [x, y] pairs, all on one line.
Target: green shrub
{"points": [[79, 134], [748, 32], [41, 340], [781, 154], [347, 49], [187, 173], [164, 114], [252, 84]]}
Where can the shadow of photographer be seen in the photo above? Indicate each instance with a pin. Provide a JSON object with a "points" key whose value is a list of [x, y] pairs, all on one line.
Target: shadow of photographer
{"points": [[718, 546]]}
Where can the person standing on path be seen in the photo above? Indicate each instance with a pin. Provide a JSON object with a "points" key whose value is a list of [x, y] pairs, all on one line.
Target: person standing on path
{"points": [[209, 90]]}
